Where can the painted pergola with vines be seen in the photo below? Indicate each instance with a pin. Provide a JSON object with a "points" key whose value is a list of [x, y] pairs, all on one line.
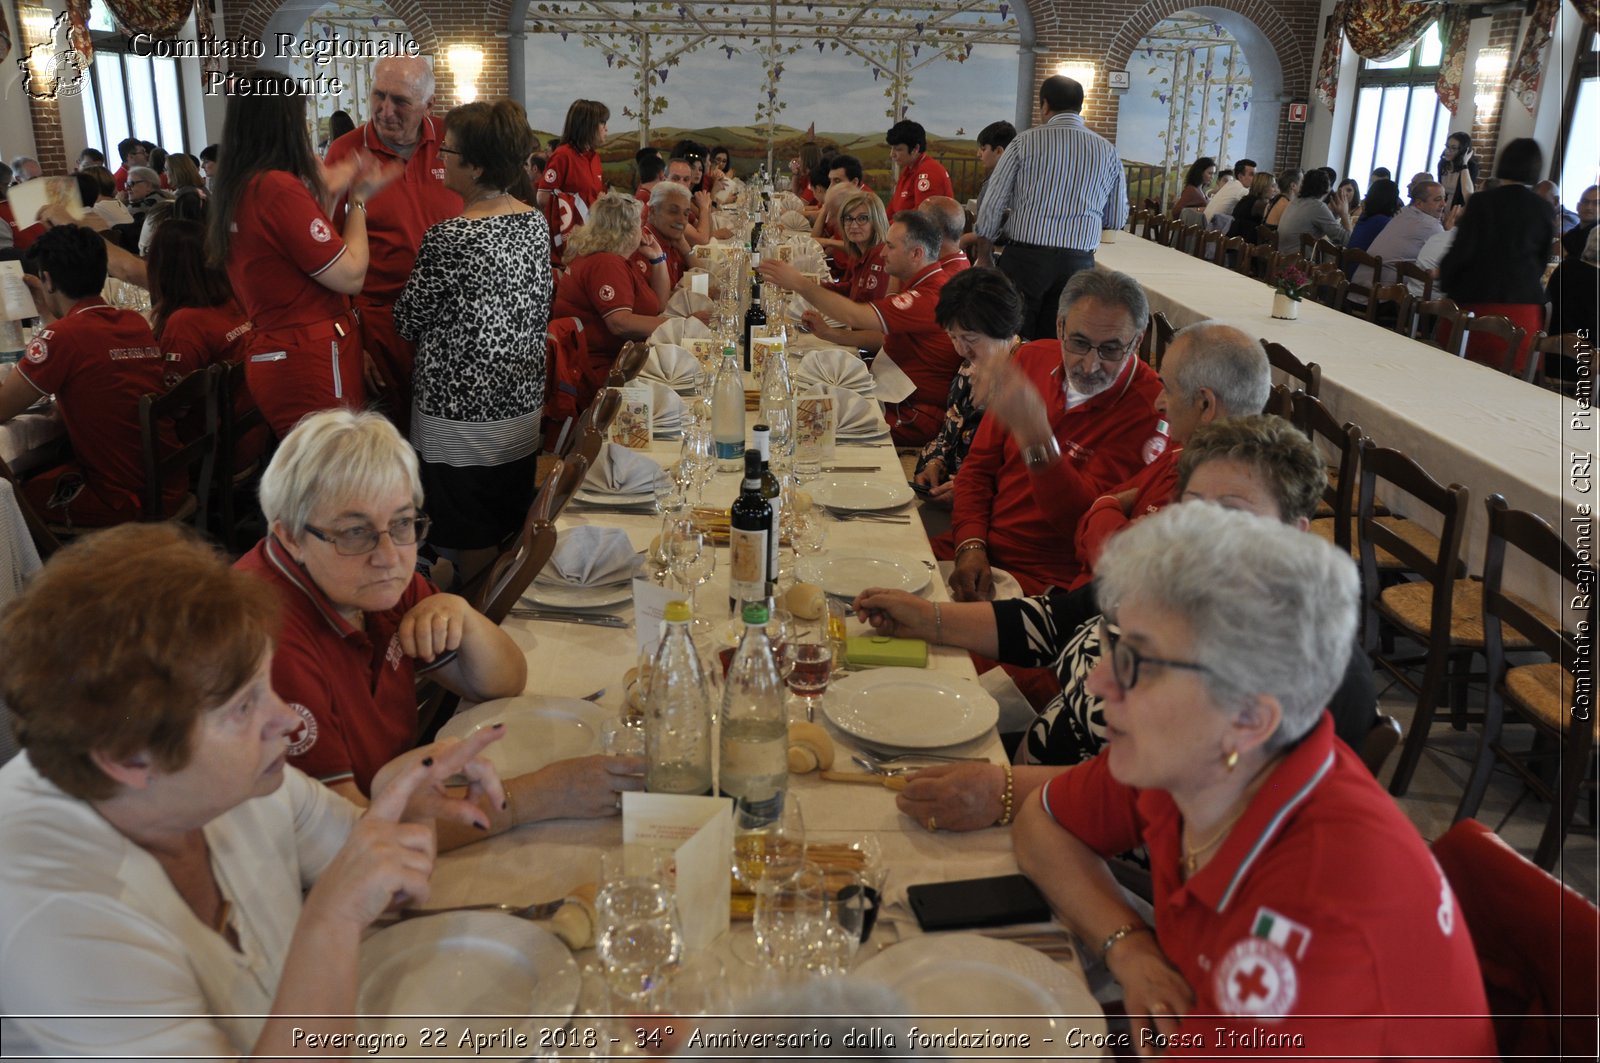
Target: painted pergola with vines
{"points": [[892, 38]]}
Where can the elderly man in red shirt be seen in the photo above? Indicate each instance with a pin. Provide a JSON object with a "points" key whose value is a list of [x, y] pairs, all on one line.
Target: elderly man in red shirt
{"points": [[1066, 421], [401, 129], [668, 220], [952, 222], [920, 175], [901, 325]]}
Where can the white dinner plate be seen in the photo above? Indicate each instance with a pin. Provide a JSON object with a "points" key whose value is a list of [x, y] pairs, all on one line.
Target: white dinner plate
{"points": [[859, 493], [969, 974], [910, 708], [599, 496], [539, 730], [464, 963], [566, 596], [846, 573]]}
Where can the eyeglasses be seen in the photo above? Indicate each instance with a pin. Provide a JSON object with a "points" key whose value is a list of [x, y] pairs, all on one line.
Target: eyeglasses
{"points": [[852, 219], [1106, 352], [1126, 661], [450, 151], [353, 542]]}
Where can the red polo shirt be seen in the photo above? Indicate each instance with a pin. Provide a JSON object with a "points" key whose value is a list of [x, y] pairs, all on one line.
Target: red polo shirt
{"points": [[1154, 487], [1322, 901], [21, 237], [955, 263], [917, 182], [281, 241], [197, 336], [675, 263], [580, 175], [98, 361], [596, 285], [404, 209], [864, 279], [1030, 519], [914, 339], [354, 688]]}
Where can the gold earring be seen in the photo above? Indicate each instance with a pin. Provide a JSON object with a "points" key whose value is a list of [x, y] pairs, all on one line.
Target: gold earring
{"points": [[1231, 761]]}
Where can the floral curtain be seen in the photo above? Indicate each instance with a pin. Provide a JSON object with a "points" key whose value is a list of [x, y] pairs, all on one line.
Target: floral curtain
{"points": [[159, 18], [206, 30], [1327, 86], [78, 36], [1382, 29], [1528, 71], [5, 35], [1453, 26]]}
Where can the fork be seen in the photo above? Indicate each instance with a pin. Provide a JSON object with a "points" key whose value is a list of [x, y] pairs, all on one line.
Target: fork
{"points": [[536, 911], [879, 769], [882, 518], [880, 757]]}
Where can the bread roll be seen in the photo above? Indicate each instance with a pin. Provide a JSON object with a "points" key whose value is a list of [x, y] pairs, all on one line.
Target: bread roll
{"points": [[810, 748], [807, 601]]}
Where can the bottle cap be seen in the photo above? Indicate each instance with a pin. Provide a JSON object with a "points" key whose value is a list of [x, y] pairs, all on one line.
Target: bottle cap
{"points": [[755, 613], [676, 612]]}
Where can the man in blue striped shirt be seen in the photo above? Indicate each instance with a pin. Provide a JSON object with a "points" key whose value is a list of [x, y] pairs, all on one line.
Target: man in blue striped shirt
{"points": [[1062, 183]]}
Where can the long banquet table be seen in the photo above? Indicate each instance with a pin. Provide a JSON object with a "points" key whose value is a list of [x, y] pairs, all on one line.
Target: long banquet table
{"points": [[1463, 422]]}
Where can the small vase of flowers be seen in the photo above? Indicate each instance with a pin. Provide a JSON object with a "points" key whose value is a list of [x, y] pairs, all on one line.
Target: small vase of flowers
{"points": [[1292, 286]]}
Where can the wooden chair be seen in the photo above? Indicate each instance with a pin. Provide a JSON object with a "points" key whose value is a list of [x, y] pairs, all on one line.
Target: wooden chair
{"points": [[1386, 296], [629, 361], [1183, 237], [158, 418], [1208, 244], [1431, 314], [1325, 252], [1438, 609], [1542, 694], [602, 411], [233, 425], [1163, 331], [1410, 271], [1379, 743], [1510, 335], [44, 541], [1563, 353], [1308, 247], [1308, 374], [1329, 286], [1280, 402], [1267, 234], [1337, 511], [1231, 255], [1261, 262], [1352, 259]]}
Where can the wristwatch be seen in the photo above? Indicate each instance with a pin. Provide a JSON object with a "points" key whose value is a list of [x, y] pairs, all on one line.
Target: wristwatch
{"points": [[657, 261], [1041, 455]]}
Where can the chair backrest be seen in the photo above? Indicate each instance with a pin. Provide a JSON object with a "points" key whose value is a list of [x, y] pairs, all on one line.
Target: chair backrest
{"points": [[1192, 216], [1511, 335], [1309, 374], [1351, 259], [1206, 245], [1163, 332], [1261, 261], [1438, 324], [1534, 537], [1325, 252], [43, 540], [1329, 285], [595, 424], [566, 357], [1308, 246], [1222, 223], [1232, 250], [512, 572], [629, 361], [1536, 945], [559, 487], [1410, 271], [1397, 296], [1380, 742], [1280, 402], [1318, 422], [1267, 234], [1450, 503], [1563, 348], [164, 456]]}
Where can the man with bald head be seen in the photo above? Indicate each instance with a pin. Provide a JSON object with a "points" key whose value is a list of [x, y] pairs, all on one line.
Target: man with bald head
{"points": [[1413, 227], [399, 129], [1211, 371], [952, 222]]}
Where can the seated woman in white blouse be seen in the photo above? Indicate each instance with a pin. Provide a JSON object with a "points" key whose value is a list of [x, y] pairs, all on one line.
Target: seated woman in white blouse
{"points": [[157, 848]]}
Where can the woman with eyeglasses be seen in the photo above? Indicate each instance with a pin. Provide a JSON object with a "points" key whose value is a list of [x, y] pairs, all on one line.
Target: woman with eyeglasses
{"points": [[1291, 895], [864, 225], [343, 503]]}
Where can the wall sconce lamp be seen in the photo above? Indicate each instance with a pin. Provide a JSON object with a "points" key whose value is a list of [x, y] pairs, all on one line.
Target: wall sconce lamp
{"points": [[37, 19], [1489, 77], [1082, 73], [466, 63]]}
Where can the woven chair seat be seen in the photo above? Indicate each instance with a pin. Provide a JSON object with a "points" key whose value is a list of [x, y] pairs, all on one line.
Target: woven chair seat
{"points": [[1545, 692], [1411, 606]]}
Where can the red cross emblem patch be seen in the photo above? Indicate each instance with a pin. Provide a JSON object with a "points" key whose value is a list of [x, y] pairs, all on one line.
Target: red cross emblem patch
{"points": [[923, 182], [1256, 977]]}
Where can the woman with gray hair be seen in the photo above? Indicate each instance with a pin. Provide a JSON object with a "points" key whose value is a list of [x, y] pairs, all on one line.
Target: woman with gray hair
{"points": [[343, 504], [601, 289], [1265, 834]]}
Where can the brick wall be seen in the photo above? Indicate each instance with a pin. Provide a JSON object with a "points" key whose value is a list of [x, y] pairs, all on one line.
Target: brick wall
{"points": [[48, 145], [1504, 33]]}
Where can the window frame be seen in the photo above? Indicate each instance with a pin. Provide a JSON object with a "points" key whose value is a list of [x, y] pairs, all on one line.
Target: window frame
{"points": [[111, 45], [1585, 65], [1413, 75]]}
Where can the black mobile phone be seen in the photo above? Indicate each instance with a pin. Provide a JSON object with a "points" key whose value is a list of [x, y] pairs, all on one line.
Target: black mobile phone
{"points": [[1003, 900], [922, 489]]}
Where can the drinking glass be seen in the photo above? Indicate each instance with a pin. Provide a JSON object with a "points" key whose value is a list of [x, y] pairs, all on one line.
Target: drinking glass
{"points": [[810, 665], [640, 940], [692, 557], [789, 918], [623, 737], [769, 844]]}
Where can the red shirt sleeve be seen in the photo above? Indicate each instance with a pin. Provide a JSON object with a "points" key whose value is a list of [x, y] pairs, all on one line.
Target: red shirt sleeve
{"points": [[612, 285], [184, 344], [1098, 810], [293, 222], [48, 362], [976, 482], [906, 313], [554, 177], [300, 678]]}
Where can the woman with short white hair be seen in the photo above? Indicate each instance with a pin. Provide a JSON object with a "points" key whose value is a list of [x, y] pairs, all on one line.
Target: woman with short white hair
{"points": [[343, 504], [1287, 885]]}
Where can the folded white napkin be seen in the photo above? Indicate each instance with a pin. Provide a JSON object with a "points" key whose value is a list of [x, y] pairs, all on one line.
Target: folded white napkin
{"points": [[793, 219], [676, 330], [683, 303], [789, 201], [670, 364], [835, 367], [587, 556], [667, 408], [852, 414], [621, 471]]}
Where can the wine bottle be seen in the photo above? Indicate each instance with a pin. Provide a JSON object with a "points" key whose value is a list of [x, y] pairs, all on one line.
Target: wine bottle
{"points": [[750, 528], [754, 317], [772, 491]]}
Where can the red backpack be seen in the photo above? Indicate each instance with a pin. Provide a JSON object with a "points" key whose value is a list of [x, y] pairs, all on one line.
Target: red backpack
{"points": [[566, 360]]}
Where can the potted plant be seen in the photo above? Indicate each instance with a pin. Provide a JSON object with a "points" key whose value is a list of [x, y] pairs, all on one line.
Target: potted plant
{"points": [[1292, 286]]}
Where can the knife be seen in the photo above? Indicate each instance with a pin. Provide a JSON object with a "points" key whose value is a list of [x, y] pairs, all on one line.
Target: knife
{"points": [[596, 619], [852, 468]]}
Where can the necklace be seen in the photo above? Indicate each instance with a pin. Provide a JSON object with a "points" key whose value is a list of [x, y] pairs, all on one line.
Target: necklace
{"points": [[481, 199], [1192, 853]]}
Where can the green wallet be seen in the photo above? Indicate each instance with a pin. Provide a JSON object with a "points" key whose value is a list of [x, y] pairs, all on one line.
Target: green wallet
{"points": [[881, 651]]}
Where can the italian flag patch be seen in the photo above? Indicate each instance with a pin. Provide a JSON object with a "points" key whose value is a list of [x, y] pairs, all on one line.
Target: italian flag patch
{"points": [[1282, 931]]}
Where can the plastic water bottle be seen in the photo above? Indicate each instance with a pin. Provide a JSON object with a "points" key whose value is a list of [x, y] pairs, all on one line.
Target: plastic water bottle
{"points": [[727, 413], [777, 409], [677, 717], [755, 734]]}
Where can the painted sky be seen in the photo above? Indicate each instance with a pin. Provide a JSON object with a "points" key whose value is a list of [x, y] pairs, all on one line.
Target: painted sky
{"points": [[834, 89]]}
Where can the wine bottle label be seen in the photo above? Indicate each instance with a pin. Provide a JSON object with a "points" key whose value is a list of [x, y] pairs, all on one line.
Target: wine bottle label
{"points": [[747, 563]]}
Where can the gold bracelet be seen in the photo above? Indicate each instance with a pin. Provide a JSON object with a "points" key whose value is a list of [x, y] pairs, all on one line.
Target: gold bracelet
{"points": [[1007, 800], [971, 544], [1118, 934]]}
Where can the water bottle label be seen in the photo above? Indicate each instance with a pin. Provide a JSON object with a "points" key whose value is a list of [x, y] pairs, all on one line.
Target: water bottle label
{"points": [[729, 450]]}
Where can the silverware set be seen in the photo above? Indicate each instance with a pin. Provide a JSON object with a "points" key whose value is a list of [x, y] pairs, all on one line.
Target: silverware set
{"points": [[539, 910]]}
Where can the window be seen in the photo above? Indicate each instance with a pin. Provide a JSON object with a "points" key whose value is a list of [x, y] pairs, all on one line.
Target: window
{"points": [[129, 95], [1579, 162], [1399, 121]]}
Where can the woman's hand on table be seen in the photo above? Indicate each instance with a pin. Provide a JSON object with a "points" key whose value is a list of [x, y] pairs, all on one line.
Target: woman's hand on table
{"points": [[972, 580], [895, 613], [1153, 991], [434, 626], [955, 796], [576, 788]]}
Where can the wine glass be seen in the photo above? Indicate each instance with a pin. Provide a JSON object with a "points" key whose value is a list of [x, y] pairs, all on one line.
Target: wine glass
{"points": [[788, 918], [640, 940], [809, 659], [691, 557], [769, 843]]}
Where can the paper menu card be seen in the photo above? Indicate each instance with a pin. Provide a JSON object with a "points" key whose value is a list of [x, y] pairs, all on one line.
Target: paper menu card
{"points": [[699, 833], [30, 197], [633, 426], [649, 612], [14, 290]]}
